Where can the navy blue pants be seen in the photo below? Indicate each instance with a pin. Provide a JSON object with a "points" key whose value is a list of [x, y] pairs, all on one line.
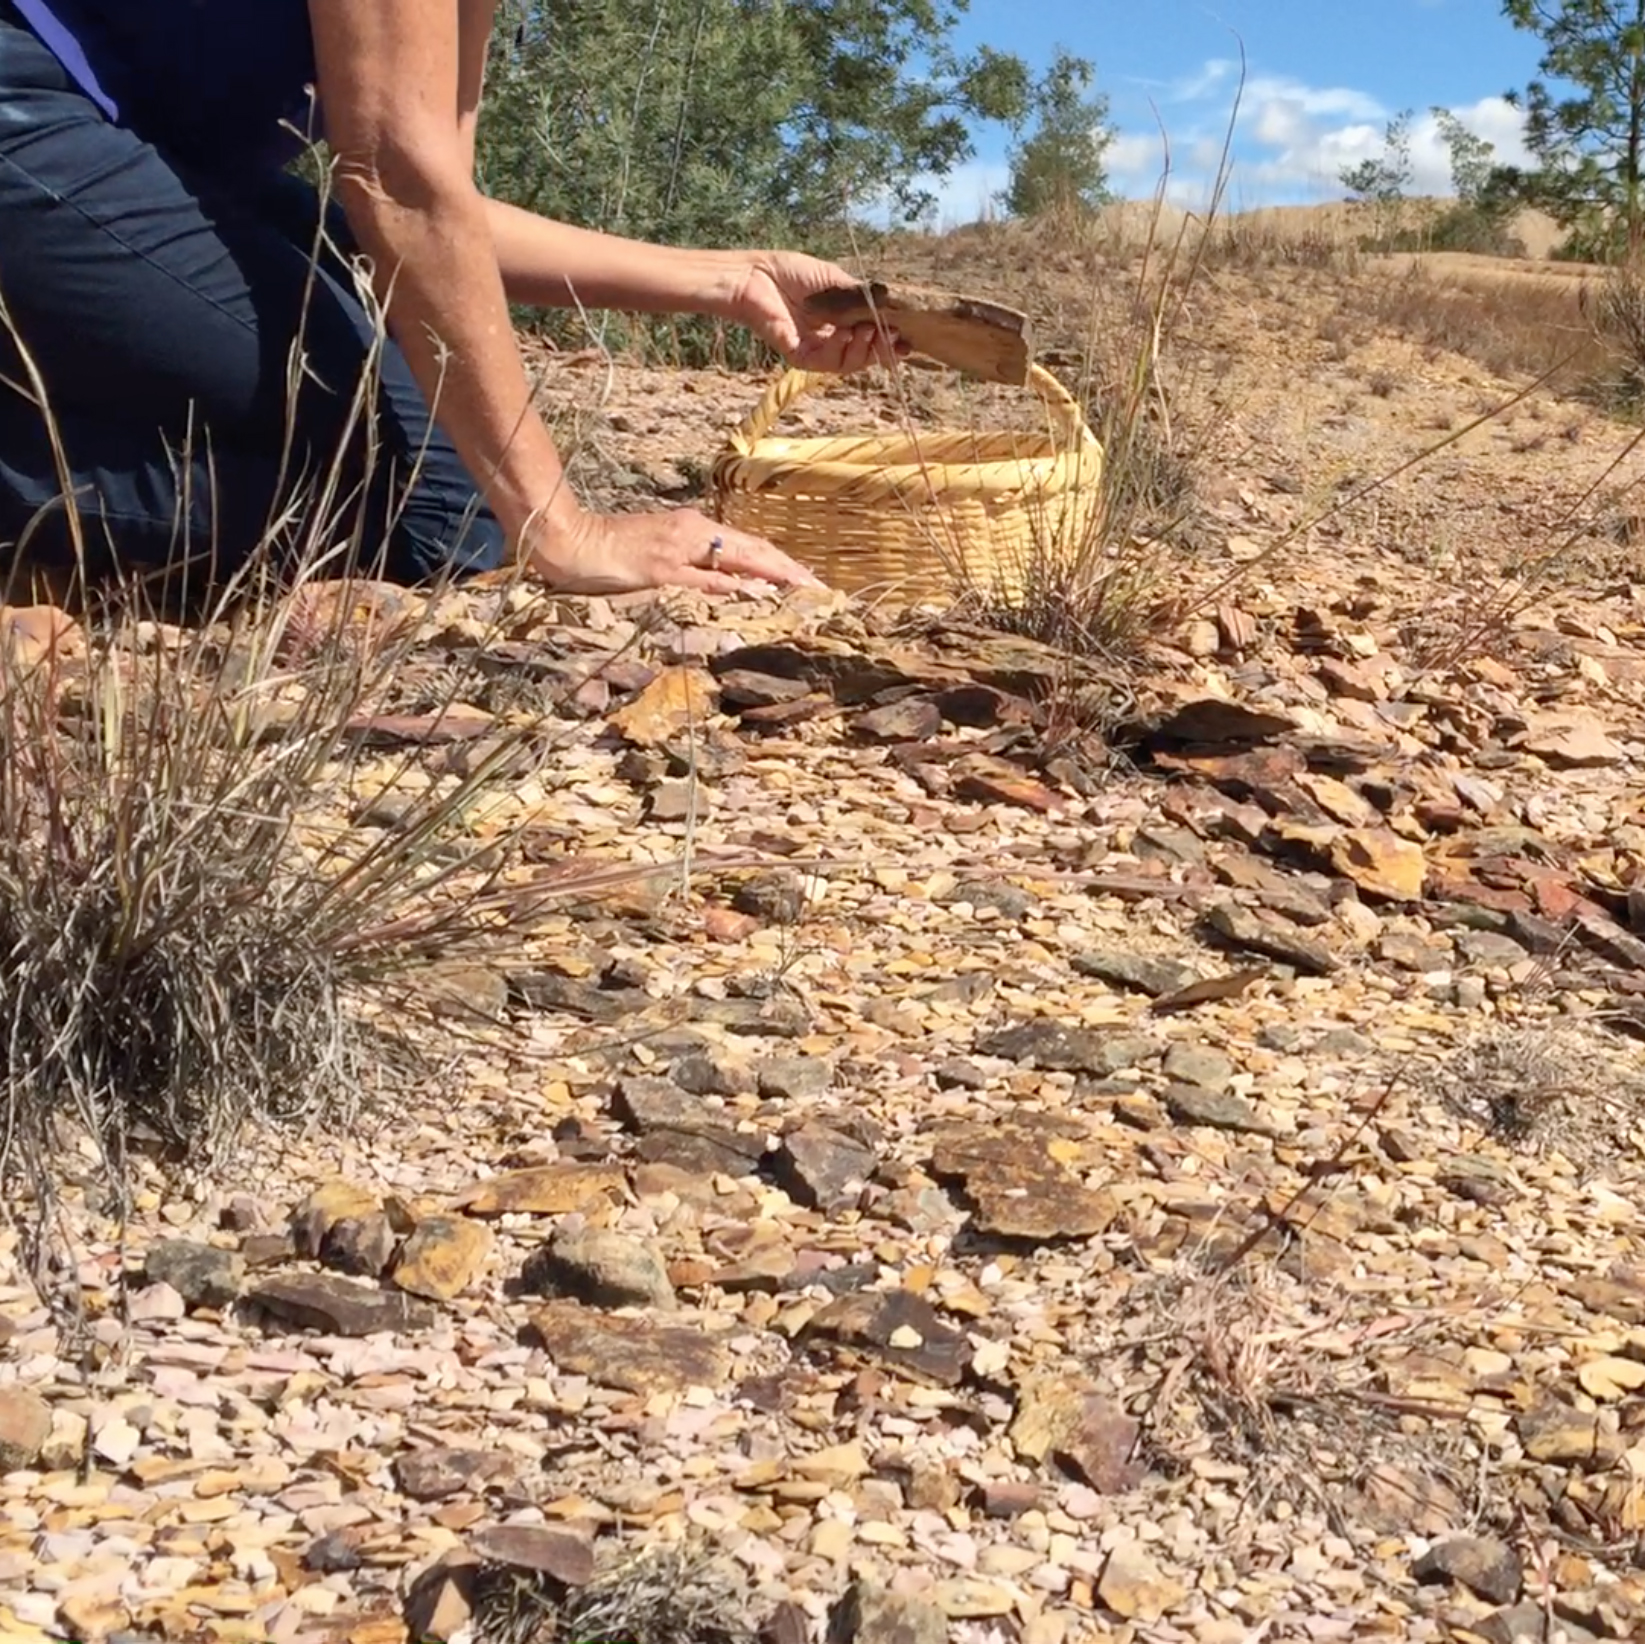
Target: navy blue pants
{"points": [[162, 306]]}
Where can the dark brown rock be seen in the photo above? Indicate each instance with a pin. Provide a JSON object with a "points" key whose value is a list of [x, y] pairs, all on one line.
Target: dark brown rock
{"points": [[338, 1306], [1065, 1420], [1194, 1105], [605, 1269], [25, 1426], [822, 1167], [1140, 972], [359, 1245], [776, 897], [1054, 1046], [1482, 1563], [442, 1471], [1218, 720], [743, 688], [1266, 934], [871, 1615], [204, 1276], [1010, 1498], [1473, 1177], [794, 1079], [910, 720], [548, 991], [440, 1601], [895, 1328], [561, 1555]]}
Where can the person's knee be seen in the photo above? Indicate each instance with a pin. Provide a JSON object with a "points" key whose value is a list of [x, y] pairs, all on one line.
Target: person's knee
{"points": [[459, 540]]}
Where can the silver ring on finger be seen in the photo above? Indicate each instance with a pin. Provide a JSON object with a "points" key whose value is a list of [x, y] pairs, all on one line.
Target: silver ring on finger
{"points": [[716, 547]]}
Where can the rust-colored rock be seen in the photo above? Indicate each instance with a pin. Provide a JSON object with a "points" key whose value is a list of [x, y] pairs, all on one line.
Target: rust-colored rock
{"points": [[676, 700], [1381, 864], [544, 1190], [443, 1257], [634, 1354], [327, 1205], [1063, 1419]]}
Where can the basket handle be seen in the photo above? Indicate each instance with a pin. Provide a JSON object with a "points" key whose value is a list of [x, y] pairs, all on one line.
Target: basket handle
{"points": [[790, 385]]}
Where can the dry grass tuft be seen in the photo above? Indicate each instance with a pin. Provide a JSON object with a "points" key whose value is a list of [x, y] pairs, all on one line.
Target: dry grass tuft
{"points": [[1546, 1086], [684, 1593], [193, 935], [187, 926]]}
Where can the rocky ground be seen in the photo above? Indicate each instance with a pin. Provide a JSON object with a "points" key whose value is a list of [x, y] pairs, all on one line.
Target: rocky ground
{"points": [[1166, 1174]]}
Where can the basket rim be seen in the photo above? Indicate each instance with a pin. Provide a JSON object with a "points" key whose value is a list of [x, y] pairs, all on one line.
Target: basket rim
{"points": [[801, 461]]}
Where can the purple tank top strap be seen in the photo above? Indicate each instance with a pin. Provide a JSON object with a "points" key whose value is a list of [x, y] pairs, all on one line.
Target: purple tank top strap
{"points": [[67, 50]]}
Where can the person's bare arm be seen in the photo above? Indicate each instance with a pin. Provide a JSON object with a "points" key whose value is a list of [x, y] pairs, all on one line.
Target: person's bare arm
{"points": [[390, 82], [552, 264], [400, 83]]}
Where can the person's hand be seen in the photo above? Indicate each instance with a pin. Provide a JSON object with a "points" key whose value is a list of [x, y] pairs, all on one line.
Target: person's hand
{"points": [[771, 303], [678, 548]]}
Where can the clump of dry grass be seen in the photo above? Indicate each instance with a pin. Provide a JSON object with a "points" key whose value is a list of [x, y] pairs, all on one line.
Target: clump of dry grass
{"points": [[1547, 1085], [680, 1593], [186, 925], [1586, 338]]}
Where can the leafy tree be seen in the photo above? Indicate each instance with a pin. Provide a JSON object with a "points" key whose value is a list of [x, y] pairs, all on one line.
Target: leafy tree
{"points": [[1473, 158], [1383, 179], [1061, 166], [1480, 218], [722, 122], [1590, 145]]}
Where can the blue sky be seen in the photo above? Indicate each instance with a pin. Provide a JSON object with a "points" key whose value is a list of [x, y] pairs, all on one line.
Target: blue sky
{"points": [[1323, 76]]}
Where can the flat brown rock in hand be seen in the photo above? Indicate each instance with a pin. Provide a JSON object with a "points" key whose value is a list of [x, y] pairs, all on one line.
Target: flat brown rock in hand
{"points": [[971, 334], [633, 1354]]}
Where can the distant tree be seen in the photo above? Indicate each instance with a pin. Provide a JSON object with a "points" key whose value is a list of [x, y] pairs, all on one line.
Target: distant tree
{"points": [[1062, 164], [1383, 179], [1473, 158], [1481, 217], [1589, 145]]}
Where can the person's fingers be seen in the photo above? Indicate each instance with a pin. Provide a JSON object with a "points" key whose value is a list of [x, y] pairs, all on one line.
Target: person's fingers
{"points": [[858, 348], [746, 556], [706, 581], [740, 554]]}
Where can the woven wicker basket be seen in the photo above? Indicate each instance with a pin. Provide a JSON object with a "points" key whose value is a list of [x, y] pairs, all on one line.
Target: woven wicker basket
{"points": [[919, 514]]}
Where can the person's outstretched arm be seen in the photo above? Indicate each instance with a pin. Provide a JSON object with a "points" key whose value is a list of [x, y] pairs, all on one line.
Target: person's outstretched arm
{"points": [[552, 264], [399, 84]]}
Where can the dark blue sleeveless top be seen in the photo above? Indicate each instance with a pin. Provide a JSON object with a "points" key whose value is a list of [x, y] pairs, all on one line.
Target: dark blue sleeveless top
{"points": [[209, 80]]}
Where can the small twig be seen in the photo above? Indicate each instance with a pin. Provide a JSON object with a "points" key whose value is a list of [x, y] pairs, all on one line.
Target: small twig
{"points": [[1317, 1172]]}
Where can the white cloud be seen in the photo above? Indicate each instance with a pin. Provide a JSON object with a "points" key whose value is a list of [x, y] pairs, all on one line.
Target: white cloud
{"points": [[1292, 140]]}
